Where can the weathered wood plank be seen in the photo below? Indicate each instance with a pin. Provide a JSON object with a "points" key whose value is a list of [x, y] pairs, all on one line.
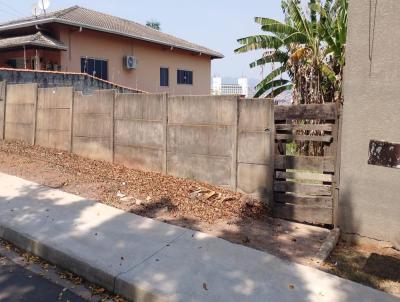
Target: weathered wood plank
{"points": [[306, 189], [311, 163], [319, 201], [313, 111], [304, 176], [308, 214], [304, 127], [302, 138]]}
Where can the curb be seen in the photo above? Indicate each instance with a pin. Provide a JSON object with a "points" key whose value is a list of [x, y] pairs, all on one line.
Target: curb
{"points": [[328, 245], [61, 259], [72, 263]]}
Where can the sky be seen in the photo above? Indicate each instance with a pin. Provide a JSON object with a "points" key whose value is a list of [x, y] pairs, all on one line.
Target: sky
{"points": [[216, 24]]}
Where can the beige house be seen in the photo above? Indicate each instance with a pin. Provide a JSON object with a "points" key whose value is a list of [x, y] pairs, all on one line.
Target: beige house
{"points": [[113, 49]]}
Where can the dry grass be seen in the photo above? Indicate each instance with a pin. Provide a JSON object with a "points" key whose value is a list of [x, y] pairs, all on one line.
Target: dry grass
{"points": [[373, 266]]}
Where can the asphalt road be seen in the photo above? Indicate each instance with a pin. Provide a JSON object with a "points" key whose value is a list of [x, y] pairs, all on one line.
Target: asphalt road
{"points": [[20, 285]]}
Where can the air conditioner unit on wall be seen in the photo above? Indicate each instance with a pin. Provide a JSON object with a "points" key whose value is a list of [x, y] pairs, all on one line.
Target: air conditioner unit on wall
{"points": [[130, 62]]}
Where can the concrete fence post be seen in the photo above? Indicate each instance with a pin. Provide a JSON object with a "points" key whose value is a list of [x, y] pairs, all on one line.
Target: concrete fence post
{"points": [[113, 126], [235, 127], [35, 111], [71, 126], [165, 134], [3, 109]]}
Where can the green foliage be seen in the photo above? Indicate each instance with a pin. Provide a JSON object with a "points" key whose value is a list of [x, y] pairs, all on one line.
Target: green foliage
{"points": [[309, 48], [154, 24]]}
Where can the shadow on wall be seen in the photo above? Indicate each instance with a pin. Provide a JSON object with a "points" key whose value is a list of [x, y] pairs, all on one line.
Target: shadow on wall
{"points": [[347, 221], [158, 257]]}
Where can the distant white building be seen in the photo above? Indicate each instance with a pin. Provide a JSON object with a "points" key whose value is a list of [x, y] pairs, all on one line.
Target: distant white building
{"points": [[241, 88]]}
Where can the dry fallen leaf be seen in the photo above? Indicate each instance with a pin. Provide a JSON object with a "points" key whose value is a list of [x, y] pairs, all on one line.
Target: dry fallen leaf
{"points": [[97, 290], [102, 180]]}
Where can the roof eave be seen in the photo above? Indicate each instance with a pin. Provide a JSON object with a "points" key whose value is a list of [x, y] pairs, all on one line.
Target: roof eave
{"points": [[220, 56], [26, 24], [213, 55], [33, 45], [48, 46]]}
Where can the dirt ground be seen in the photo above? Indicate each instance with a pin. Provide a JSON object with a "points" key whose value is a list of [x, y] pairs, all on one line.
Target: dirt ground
{"points": [[199, 206], [182, 202], [371, 265]]}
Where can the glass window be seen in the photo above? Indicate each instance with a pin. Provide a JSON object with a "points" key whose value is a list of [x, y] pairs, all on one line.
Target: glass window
{"points": [[95, 67], [164, 76], [185, 77]]}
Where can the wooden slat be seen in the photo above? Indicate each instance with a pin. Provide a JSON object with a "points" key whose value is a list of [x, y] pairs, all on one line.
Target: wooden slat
{"points": [[309, 214], [320, 164], [314, 111], [316, 201], [301, 188], [302, 138], [305, 127], [304, 176]]}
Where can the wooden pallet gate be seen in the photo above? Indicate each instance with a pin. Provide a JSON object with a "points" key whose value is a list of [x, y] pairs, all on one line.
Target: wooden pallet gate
{"points": [[304, 186]]}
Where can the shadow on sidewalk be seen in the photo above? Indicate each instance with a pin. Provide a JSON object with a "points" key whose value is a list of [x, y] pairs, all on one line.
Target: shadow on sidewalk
{"points": [[86, 228]]}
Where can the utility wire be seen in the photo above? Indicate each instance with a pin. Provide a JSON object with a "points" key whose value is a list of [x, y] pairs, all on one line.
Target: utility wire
{"points": [[9, 13], [11, 9]]}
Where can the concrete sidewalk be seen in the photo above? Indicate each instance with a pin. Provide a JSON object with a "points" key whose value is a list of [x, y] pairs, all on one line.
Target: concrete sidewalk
{"points": [[146, 260]]}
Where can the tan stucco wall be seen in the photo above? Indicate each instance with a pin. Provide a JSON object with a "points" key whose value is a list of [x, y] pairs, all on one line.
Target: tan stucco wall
{"points": [[150, 58], [370, 195]]}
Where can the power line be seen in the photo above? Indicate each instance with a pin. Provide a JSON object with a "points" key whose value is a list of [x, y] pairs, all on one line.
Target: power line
{"points": [[12, 9], [14, 15]]}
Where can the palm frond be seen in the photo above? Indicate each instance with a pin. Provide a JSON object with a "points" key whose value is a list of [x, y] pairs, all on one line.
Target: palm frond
{"points": [[298, 18], [274, 26], [276, 57], [296, 37], [279, 90], [261, 89], [258, 42], [271, 76]]}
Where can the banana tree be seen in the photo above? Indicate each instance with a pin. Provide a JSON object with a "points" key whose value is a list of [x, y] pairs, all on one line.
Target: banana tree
{"points": [[303, 49], [333, 30]]}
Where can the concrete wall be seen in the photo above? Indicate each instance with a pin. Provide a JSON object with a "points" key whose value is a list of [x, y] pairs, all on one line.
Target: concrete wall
{"points": [[150, 56], [215, 139], [93, 125], [3, 86], [256, 148], [53, 117], [20, 112], [369, 195], [140, 131], [200, 138], [49, 79]]}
